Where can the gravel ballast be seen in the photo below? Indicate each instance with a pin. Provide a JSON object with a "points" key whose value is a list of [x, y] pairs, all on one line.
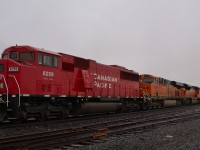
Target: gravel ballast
{"points": [[179, 136], [182, 135]]}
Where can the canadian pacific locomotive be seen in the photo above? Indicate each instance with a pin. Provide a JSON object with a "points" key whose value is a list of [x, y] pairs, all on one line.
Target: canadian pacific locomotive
{"points": [[39, 83]]}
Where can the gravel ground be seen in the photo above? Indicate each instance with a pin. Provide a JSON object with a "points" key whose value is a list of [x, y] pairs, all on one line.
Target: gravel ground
{"points": [[185, 135], [180, 136], [43, 127], [7, 132]]}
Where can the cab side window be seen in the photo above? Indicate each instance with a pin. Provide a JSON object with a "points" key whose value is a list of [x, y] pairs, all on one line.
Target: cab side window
{"points": [[51, 61], [13, 55], [55, 61], [4, 56], [156, 81], [47, 60], [40, 59]]}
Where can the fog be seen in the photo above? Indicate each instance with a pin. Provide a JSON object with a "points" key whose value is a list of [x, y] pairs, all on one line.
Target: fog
{"points": [[158, 37]]}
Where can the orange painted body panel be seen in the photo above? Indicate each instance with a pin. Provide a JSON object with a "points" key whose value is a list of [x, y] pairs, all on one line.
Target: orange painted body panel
{"points": [[163, 88], [153, 89]]}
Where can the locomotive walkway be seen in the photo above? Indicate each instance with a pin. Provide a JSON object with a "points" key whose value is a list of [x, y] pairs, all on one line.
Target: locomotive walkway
{"points": [[132, 123]]}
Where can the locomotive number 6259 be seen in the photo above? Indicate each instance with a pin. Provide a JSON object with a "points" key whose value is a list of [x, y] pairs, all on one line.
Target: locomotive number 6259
{"points": [[48, 74]]}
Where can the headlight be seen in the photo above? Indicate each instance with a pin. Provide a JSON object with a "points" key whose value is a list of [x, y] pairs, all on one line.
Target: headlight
{"points": [[1, 85]]}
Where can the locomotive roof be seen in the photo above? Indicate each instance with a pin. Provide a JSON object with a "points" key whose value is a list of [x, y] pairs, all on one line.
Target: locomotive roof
{"points": [[179, 84], [32, 49], [121, 68]]}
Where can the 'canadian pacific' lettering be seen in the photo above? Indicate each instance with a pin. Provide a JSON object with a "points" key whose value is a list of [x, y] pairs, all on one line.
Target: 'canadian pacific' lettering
{"points": [[104, 78], [99, 78]]}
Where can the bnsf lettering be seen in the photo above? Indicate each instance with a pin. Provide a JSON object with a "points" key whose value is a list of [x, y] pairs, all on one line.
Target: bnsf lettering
{"points": [[48, 74]]}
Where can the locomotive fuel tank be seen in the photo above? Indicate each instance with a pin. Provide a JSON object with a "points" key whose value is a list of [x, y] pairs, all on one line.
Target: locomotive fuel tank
{"points": [[170, 103], [95, 107]]}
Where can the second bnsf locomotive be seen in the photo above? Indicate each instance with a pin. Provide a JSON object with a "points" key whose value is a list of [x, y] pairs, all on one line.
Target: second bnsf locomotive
{"points": [[39, 83]]}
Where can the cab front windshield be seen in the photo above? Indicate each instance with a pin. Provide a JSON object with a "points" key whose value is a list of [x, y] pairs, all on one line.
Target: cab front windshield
{"points": [[21, 56], [147, 80]]}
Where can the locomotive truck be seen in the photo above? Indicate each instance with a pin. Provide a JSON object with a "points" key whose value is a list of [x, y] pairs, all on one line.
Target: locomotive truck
{"points": [[39, 83]]}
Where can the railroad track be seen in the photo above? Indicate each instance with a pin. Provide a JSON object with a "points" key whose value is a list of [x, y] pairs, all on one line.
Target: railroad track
{"points": [[7, 125], [96, 130]]}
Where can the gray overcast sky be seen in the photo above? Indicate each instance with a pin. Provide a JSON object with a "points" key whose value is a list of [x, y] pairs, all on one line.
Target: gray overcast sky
{"points": [[159, 37]]}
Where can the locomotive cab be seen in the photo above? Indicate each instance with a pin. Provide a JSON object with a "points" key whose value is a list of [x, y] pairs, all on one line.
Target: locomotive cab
{"points": [[145, 84], [154, 86], [25, 57], [11, 64], [22, 68]]}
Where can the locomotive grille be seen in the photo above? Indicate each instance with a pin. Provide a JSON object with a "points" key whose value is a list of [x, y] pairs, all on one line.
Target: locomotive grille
{"points": [[129, 76], [49, 88], [43, 87], [81, 63]]}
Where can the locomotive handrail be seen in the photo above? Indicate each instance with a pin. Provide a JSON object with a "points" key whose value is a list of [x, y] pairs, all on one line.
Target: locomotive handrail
{"points": [[18, 87], [6, 88]]}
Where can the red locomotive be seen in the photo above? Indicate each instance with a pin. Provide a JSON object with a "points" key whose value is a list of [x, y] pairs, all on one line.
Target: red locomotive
{"points": [[39, 83]]}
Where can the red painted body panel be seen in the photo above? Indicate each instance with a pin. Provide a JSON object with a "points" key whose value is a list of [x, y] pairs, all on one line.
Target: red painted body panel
{"points": [[74, 76]]}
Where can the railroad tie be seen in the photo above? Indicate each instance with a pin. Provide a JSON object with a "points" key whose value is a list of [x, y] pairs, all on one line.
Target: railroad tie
{"points": [[100, 134]]}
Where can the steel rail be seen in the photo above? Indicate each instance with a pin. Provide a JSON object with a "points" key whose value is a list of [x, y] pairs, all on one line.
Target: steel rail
{"points": [[92, 131]]}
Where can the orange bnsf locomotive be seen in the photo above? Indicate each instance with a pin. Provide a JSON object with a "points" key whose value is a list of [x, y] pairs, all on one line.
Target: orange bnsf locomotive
{"points": [[160, 92], [39, 83]]}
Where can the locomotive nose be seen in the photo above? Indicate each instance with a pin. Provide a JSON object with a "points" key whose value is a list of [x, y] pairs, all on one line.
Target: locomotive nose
{"points": [[3, 108], [2, 77], [1, 67], [1, 71]]}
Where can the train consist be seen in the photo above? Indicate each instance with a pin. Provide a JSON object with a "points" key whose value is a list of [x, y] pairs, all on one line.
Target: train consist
{"points": [[39, 83]]}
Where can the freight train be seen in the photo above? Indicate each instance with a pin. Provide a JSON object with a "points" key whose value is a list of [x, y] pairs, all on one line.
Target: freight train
{"points": [[38, 83]]}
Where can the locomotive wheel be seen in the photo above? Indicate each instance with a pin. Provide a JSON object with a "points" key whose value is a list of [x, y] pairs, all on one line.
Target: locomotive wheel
{"points": [[40, 117], [44, 115], [3, 112], [23, 116], [64, 113]]}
